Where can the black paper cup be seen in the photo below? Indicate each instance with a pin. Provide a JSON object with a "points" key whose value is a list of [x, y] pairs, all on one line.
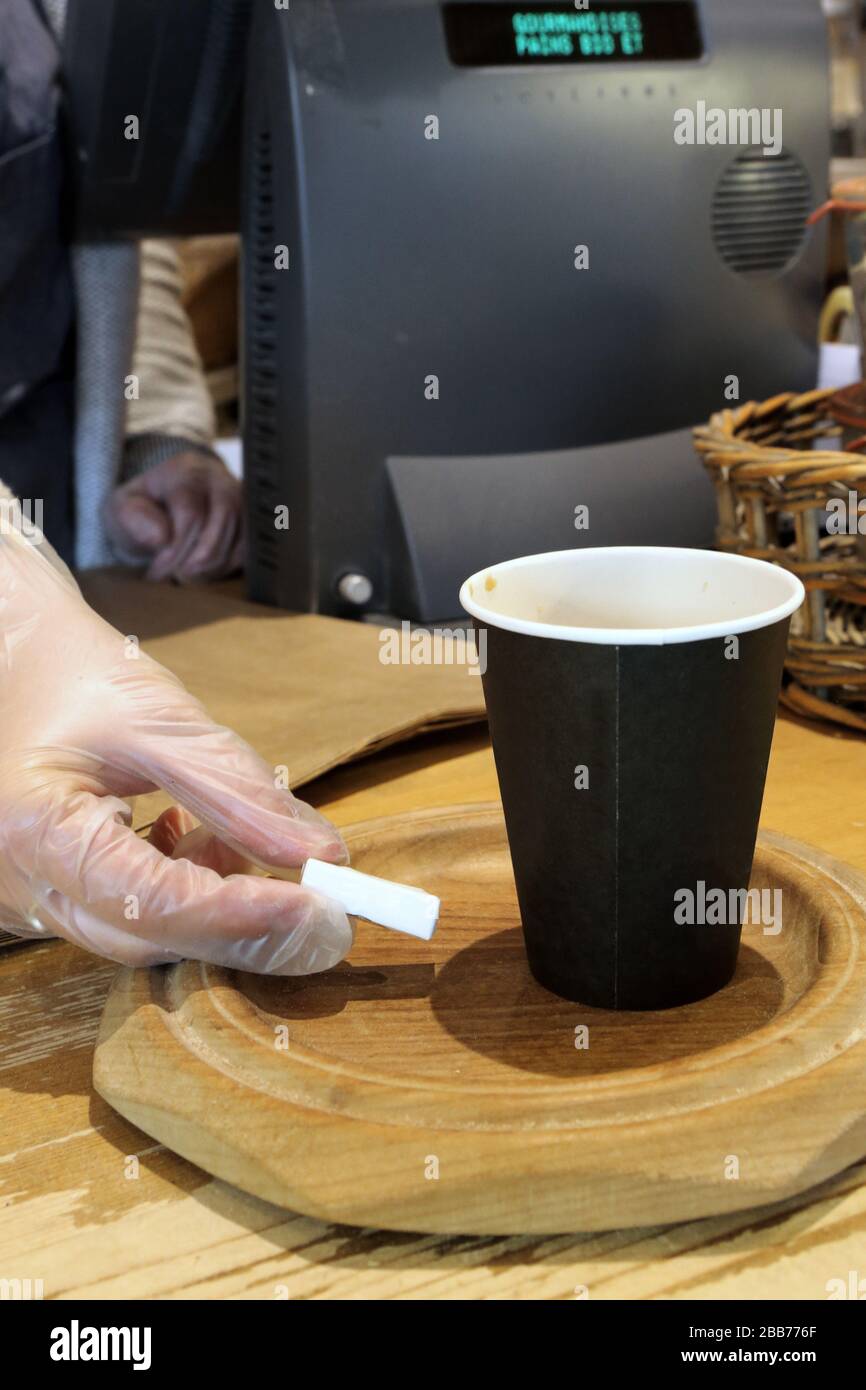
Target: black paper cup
{"points": [[631, 694]]}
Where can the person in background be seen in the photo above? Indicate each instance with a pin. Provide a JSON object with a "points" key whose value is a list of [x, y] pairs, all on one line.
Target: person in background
{"points": [[105, 418], [175, 506], [86, 719]]}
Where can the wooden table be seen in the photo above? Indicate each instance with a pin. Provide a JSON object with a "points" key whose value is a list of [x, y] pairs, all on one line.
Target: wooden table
{"points": [[96, 1209]]}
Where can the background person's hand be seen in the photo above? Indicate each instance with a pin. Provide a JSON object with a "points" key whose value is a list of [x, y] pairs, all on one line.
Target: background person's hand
{"points": [[183, 518], [85, 722]]}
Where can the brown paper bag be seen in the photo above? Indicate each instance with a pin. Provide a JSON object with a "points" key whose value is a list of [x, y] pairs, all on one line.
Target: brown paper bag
{"points": [[307, 692]]}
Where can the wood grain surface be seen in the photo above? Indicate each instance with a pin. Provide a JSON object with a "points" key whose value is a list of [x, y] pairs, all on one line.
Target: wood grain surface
{"points": [[438, 1088], [78, 1213]]}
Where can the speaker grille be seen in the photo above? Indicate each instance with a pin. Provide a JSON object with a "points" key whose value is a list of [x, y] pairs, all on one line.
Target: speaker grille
{"points": [[759, 212]]}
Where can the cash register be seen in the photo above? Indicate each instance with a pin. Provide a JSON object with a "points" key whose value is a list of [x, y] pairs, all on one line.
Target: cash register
{"points": [[492, 274]]}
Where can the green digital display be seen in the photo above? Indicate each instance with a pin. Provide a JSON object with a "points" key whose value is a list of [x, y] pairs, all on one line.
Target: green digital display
{"points": [[554, 34], [499, 35]]}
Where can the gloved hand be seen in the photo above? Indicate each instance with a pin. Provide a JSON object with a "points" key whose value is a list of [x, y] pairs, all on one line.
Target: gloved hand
{"points": [[85, 722], [183, 516]]}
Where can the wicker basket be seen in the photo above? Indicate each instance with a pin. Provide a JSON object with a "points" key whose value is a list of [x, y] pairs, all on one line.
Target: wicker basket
{"points": [[772, 488]]}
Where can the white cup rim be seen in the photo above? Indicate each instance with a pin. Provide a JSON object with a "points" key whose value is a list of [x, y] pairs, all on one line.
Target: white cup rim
{"points": [[632, 636]]}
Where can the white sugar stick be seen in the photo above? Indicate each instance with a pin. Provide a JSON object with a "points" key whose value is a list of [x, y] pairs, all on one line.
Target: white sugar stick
{"points": [[393, 905]]}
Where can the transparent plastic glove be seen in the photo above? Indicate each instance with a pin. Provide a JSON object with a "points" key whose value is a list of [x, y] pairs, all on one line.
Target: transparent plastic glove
{"points": [[84, 723]]}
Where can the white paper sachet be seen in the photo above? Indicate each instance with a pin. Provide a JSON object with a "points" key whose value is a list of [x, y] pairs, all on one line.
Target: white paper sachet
{"points": [[392, 905]]}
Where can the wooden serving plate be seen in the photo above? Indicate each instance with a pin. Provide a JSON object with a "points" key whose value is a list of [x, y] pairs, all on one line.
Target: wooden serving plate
{"points": [[436, 1087]]}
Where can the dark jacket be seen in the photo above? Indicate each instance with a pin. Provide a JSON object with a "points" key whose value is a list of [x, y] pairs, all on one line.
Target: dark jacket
{"points": [[36, 297]]}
